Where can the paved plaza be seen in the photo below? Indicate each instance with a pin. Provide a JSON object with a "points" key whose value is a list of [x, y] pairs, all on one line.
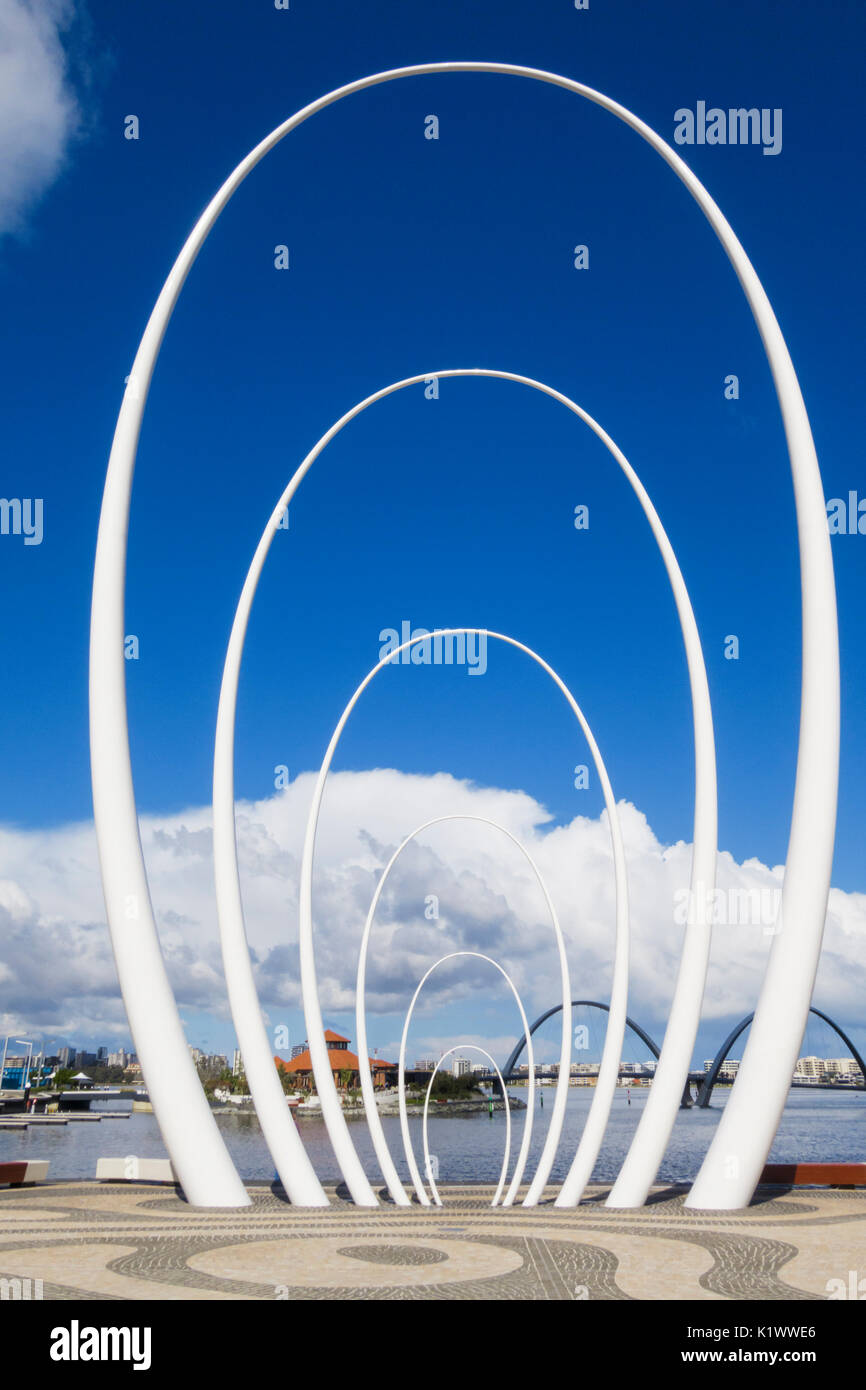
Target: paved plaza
{"points": [[139, 1242]]}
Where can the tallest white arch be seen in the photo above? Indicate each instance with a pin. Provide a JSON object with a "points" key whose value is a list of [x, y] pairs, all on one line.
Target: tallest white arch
{"points": [[744, 1135]]}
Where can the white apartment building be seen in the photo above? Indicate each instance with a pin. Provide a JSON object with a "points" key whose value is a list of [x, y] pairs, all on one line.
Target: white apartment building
{"points": [[809, 1066]]}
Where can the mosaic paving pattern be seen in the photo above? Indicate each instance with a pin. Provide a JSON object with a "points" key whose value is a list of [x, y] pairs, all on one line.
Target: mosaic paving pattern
{"points": [[139, 1242], [393, 1254]]}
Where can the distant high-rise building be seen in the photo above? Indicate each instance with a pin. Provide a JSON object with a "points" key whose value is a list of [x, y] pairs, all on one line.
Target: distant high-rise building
{"points": [[238, 1062], [64, 1056], [461, 1066]]}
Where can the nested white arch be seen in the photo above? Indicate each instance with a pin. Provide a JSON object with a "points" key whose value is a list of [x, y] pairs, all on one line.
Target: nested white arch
{"points": [[660, 1112], [374, 1122], [522, 1156], [332, 1112], [428, 1167], [743, 1137], [401, 1064]]}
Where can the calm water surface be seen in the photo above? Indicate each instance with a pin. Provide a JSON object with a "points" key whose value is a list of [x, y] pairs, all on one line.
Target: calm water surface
{"points": [[816, 1126]]}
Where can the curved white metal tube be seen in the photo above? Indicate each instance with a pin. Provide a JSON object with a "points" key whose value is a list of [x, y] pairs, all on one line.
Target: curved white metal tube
{"points": [[428, 1167], [291, 1159], [742, 1141], [338, 1132], [374, 1122], [401, 1064], [651, 1137]]}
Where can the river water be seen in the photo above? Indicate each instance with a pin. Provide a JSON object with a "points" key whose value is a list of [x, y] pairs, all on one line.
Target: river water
{"points": [[816, 1126]]}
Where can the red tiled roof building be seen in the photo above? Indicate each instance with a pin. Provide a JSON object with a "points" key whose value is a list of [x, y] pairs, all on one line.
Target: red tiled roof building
{"points": [[344, 1065]]}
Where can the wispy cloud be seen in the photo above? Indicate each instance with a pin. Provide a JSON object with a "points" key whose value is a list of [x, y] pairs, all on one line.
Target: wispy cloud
{"points": [[39, 112]]}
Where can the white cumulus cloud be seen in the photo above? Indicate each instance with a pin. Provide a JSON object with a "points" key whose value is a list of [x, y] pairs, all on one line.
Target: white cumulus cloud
{"points": [[57, 974]]}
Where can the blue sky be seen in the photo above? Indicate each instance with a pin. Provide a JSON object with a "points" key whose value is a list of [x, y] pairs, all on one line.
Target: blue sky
{"points": [[410, 255]]}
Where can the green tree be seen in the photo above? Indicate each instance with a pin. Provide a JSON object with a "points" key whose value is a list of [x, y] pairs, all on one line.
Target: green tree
{"points": [[456, 1087], [287, 1080]]}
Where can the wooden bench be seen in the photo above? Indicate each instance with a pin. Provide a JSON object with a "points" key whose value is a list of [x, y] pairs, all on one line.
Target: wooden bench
{"points": [[24, 1174], [815, 1174]]}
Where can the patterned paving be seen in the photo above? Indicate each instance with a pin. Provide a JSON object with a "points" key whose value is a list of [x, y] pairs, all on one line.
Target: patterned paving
{"points": [[141, 1242]]}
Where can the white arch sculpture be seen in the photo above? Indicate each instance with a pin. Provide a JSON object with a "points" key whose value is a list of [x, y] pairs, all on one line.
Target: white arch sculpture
{"points": [[742, 1140], [428, 1167], [332, 1113], [660, 1112], [522, 1156], [374, 1122]]}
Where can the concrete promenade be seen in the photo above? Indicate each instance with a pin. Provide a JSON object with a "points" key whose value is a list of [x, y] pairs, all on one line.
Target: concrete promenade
{"points": [[85, 1240]]}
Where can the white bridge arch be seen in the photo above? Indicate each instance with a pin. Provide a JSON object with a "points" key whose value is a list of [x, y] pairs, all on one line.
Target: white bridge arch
{"points": [[522, 1156], [332, 1113], [742, 1140], [660, 1112], [428, 1167], [374, 1123]]}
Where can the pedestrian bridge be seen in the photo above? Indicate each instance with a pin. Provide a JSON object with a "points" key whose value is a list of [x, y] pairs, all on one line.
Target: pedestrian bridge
{"points": [[703, 1080]]}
